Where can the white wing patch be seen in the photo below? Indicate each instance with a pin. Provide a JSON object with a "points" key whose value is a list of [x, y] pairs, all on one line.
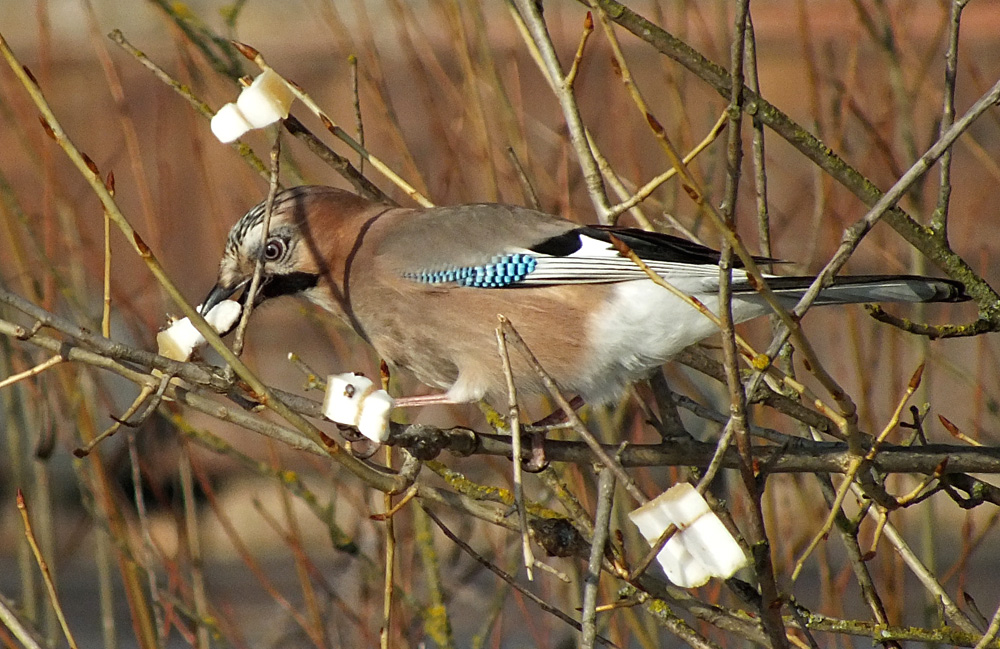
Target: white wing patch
{"points": [[597, 262]]}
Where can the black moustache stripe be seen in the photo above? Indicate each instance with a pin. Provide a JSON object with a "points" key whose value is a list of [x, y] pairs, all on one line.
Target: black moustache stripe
{"points": [[289, 284]]}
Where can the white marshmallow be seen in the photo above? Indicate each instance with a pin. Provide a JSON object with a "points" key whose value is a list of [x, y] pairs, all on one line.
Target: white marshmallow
{"points": [[180, 339], [374, 420], [223, 315], [266, 100], [229, 124], [701, 548], [352, 399]]}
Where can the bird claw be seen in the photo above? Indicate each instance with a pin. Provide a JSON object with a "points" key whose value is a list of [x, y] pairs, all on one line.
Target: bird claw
{"points": [[364, 448], [360, 446], [538, 461]]}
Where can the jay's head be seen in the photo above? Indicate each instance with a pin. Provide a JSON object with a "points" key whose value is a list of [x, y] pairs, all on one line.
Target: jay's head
{"points": [[296, 254]]}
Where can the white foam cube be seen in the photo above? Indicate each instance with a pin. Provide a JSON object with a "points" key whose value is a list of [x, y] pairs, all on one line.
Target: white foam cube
{"points": [[701, 548], [223, 315], [374, 420], [352, 399], [177, 341], [229, 124], [180, 339], [266, 100]]}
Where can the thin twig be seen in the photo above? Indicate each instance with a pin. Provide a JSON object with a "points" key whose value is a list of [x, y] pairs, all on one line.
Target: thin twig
{"points": [[192, 541], [43, 565], [602, 519], [34, 371], [856, 463], [106, 311], [514, 419], [939, 220], [145, 555], [359, 125], [385, 634], [255, 56], [509, 579], [991, 632], [258, 269], [530, 195], [514, 338], [12, 619], [144, 393], [646, 190], [562, 85]]}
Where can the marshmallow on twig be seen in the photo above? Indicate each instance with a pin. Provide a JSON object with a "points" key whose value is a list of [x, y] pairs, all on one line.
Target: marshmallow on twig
{"points": [[180, 339], [352, 399], [263, 102], [701, 548]]}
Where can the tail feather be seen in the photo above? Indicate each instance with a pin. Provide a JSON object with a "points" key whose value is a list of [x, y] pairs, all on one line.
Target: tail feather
{"points": [[860, 289]]}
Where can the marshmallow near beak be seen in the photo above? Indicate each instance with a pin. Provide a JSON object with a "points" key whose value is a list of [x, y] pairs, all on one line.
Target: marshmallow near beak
{"points": [[179, 340]]}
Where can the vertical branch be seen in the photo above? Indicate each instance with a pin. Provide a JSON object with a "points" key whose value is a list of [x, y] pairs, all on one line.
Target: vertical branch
{"points": [[359, 125], [563, 86], [602, 520], [385, 635], [193, 542], [147, 553], [436, 620], [770, 610], [14, 416], [106, 314], [515, 439], [258, 270], [106, 588], [939, 220], [757, 147], [294, 540], [43, 565]]}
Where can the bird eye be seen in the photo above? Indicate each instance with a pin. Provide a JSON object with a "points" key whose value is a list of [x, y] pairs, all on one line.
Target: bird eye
{"points": [[274, 250]]}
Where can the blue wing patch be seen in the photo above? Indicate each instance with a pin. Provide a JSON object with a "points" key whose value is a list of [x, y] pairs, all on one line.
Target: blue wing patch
{"points": [[500, 272]]}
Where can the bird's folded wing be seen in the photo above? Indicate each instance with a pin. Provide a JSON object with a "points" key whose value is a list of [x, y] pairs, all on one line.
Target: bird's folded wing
{"points": [[514, 248]]}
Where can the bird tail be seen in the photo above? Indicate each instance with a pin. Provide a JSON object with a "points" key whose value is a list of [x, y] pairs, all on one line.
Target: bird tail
{"points": [[860, 289]]}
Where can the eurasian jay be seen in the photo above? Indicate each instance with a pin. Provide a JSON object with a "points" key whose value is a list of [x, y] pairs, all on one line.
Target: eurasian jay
{"points": [[425, 286]]}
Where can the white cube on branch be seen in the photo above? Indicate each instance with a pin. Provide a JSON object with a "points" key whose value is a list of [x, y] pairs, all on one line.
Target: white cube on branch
{"points": [[352, 399], [180, 339], [263, 102], [701, 547]]}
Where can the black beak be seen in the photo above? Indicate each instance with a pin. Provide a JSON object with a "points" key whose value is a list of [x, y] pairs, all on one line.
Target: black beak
{"points": [[270, 286], [220, 293]]}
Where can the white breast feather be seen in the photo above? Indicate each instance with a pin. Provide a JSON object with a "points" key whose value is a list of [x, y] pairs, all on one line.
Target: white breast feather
{"points": [[642, 325]]}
